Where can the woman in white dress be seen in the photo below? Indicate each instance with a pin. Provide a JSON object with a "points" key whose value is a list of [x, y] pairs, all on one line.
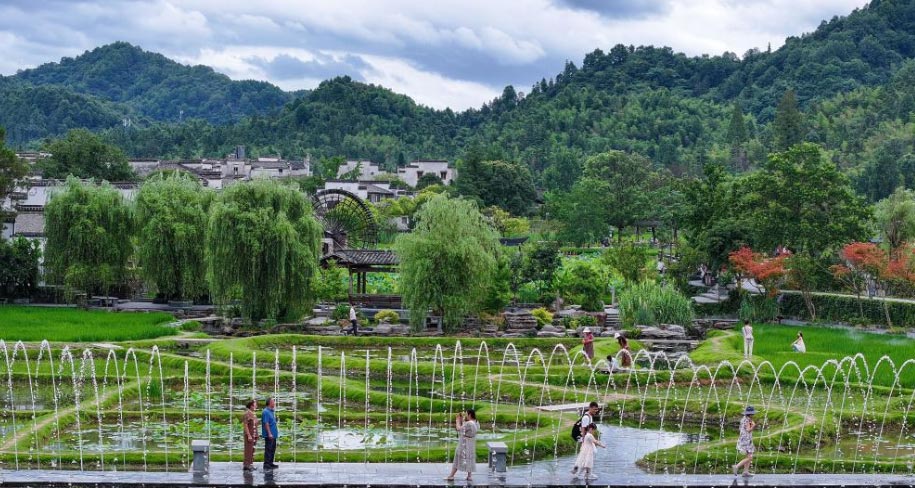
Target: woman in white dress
{"points": [[798, 344], [747, 339], [585, 460], [465, 456]]}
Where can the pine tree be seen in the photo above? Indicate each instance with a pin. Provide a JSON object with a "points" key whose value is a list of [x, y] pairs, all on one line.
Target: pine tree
{"points": [[787, 127], [737, 137], [737, 130]]}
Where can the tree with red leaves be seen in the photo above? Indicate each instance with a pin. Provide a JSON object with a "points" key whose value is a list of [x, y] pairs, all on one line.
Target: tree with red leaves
{"points": [[865, 259], [766, 271]]}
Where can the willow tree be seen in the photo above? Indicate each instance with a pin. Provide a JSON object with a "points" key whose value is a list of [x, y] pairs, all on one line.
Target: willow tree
{"points": [[447, 262], [263, 246], [88, 229], [171, 216]]}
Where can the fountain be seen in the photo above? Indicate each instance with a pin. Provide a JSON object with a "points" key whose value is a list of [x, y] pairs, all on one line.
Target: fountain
{"points": [[94, 412]]}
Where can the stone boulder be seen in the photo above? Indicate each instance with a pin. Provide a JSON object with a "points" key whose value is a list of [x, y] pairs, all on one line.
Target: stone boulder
{"points": [[519, 322], [674, 328], [656, 333], [317, 322], [490, 330], [551, 331]]}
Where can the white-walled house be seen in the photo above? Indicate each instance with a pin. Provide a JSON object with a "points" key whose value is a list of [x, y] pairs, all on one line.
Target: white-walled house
{"points": [[412, 172], [368, 170], [368, 191]]}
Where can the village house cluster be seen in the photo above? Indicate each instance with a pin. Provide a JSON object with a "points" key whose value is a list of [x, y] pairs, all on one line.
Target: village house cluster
{"points": [[24, 207]]}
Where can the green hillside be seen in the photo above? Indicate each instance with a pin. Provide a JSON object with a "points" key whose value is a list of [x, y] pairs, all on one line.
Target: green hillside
{"points": [[851, 79], [120, 80]]}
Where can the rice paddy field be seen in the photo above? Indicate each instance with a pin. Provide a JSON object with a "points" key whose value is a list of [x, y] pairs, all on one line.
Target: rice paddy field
{"points": [[136, 403], [64, 324]]}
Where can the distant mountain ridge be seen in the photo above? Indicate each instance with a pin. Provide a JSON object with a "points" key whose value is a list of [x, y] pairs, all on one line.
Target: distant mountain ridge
{"points": [[120, 81], [674, 109]]}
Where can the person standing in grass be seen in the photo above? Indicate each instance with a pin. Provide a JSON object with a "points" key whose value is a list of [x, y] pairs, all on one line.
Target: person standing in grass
{"points": [[270, 433], [465, 456], [798, 344], [747, 339], [588, 343], [250, 427], [625, 353], [585, 460], [745, 442]]}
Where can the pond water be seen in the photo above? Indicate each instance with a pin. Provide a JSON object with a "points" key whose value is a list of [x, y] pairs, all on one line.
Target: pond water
{"points": [[625, 447], [306, 436]]}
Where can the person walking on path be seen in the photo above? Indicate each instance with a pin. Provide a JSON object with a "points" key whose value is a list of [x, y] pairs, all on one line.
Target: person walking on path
{"points": [[250, 427], [585, 460], [270, 433], [747, 339], [465, 456], [588, 343], [353, 319], [745, 442], [798, 344]]}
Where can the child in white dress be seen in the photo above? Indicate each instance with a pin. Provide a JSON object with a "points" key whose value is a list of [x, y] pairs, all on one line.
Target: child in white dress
{"points": [[585, 460]]}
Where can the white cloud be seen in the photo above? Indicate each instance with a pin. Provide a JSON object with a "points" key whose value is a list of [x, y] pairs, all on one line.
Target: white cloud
{"points": [[448, 52], [430, 89]]}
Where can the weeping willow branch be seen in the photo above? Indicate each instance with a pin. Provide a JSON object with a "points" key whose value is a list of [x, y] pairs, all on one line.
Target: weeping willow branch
{"points": [[171, 214], [88, 229], [263, 245], [448, 261]]}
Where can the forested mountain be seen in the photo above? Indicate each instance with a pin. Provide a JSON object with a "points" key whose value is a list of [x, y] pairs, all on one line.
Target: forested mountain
{"points": [[121, 80], [33, 112], [847, 86]]}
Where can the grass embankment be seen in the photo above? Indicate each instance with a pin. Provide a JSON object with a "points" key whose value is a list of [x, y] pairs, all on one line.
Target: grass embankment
{"points": [[35, 324]]}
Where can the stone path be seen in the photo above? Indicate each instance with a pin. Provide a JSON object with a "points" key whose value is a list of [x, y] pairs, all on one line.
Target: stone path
{"points": [[420, 475]]}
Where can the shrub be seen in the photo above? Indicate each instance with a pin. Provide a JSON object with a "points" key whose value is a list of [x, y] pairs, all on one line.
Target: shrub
{"points": [[587, 321], [535, 292], [341, 312], [331, 284], [543, 316], [582, 282], [570, 322], [845, 309], [757, 308], [388, 316], [192, 326], [654, 304]]}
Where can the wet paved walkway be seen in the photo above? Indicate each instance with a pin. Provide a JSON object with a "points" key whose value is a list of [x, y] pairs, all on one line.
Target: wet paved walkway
{"points": [[421, 475]]}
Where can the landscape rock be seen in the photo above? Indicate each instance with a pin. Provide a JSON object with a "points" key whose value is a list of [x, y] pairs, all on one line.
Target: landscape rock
{"points": [[317, 321], [658, 333], [675, 328], [518, 322], [551, 331]]}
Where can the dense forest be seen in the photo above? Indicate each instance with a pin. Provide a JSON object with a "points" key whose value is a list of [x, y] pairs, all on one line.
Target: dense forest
{"points": [[102, 87], [849, 86]]}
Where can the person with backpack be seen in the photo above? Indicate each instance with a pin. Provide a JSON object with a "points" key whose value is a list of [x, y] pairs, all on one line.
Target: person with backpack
{"points": [[580, 427]]}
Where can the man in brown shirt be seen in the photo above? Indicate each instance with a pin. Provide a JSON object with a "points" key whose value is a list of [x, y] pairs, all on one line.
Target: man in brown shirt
{"points": [[250, 424]]}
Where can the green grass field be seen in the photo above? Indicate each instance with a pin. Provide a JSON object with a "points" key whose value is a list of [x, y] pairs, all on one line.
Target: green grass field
{"points": [[773, 343], [34, 324]]}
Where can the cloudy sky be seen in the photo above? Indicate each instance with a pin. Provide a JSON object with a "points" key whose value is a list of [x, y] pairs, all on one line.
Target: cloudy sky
{"points": [[443, 53]]}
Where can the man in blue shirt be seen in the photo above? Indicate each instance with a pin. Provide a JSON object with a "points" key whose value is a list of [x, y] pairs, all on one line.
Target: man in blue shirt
{"points": [[269, 433]]}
